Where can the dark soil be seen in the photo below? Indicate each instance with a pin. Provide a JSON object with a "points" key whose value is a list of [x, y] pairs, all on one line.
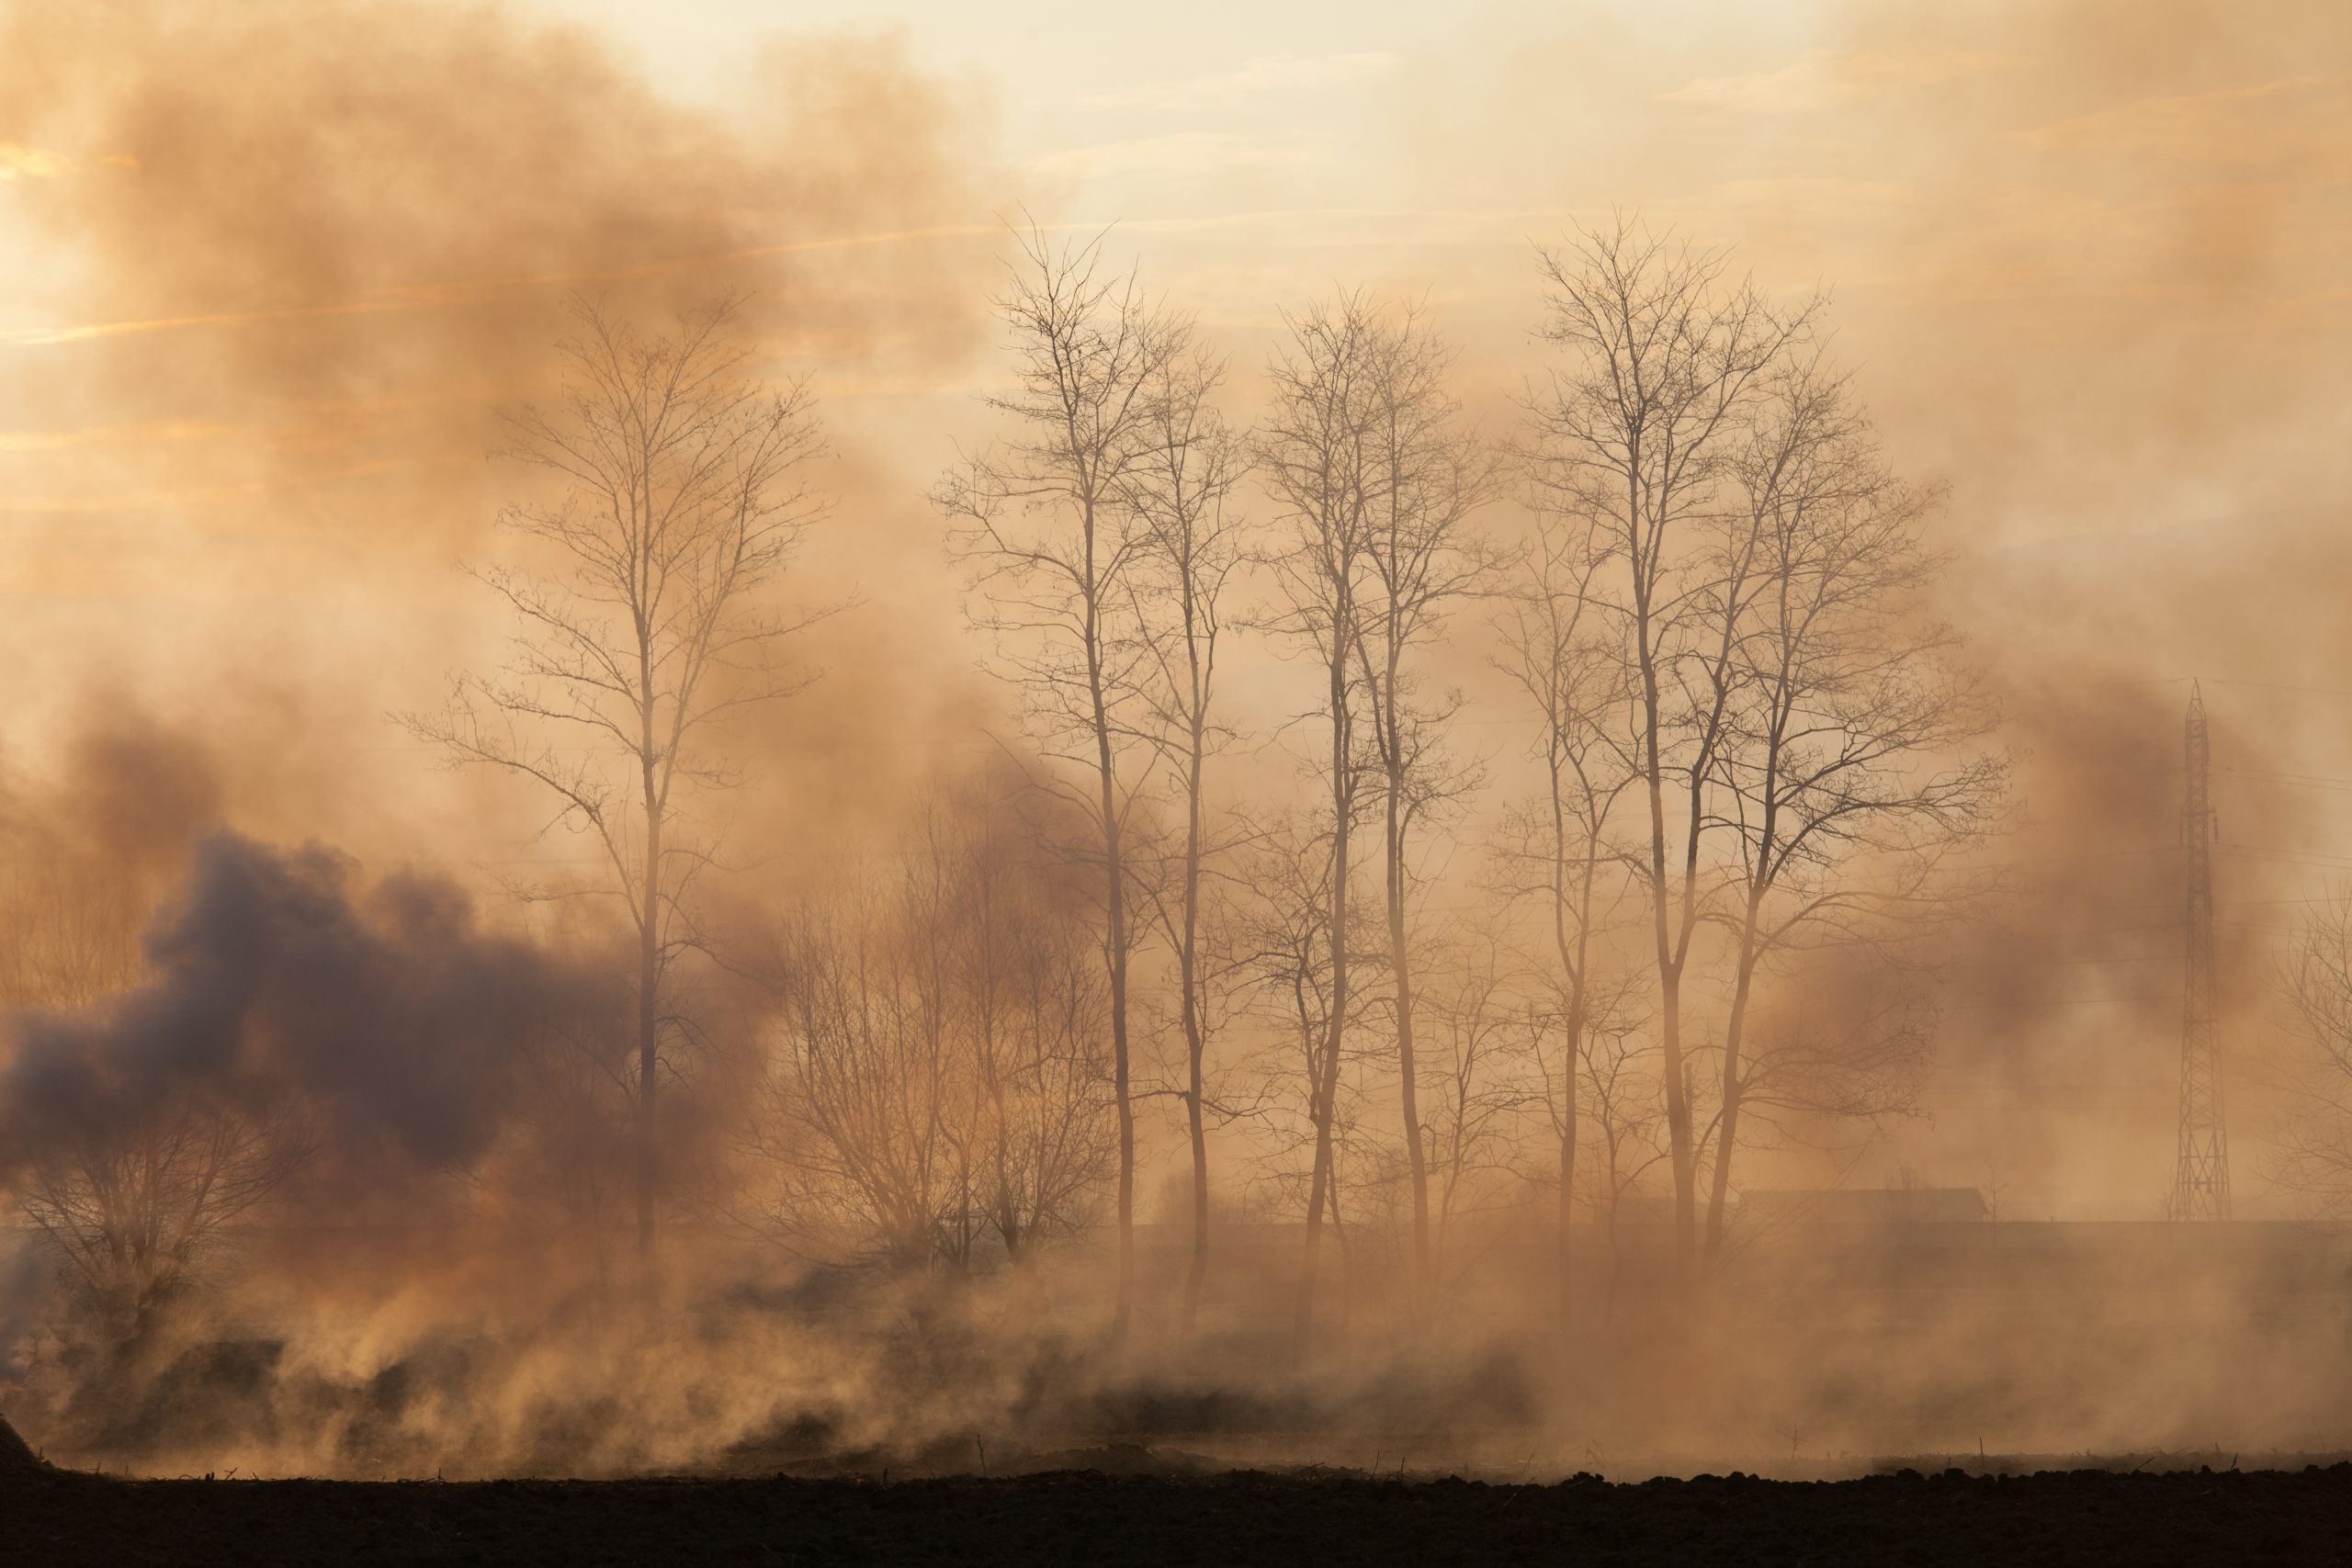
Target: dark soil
{"points": [[1088, 1516]]}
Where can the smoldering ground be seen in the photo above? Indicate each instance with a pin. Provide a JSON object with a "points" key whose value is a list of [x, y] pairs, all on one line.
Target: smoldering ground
{"points": [[405, 1303]]}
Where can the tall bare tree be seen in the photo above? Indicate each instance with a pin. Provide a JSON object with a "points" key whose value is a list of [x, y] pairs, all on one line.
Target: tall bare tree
{"points": [[1318, 454], [646, 620], [1559, 647], [1309, 1101], [1283, 946], [1426, 477], [1668, 358], [1192, 543], [1043, 524], [1846, 763]]}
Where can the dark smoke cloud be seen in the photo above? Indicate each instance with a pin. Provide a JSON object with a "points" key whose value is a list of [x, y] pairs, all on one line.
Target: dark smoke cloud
{"points": [[388, 1010]]}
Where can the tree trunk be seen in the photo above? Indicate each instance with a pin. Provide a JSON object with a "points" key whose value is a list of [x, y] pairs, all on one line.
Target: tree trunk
{"points": [[1417, 1156], [1408, 1070], [1727, 1135], [1326, 1093], [1188, 975], [648, 1035], [1670, 968], [1116, 919], [1568, 1174], [1573, 958]]}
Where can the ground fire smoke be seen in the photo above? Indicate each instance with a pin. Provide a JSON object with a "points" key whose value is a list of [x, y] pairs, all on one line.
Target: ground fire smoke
{"points": [[388, 1014]]}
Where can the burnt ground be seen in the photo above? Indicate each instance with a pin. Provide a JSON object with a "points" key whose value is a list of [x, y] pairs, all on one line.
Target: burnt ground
{"points": [[1090, 1516]]}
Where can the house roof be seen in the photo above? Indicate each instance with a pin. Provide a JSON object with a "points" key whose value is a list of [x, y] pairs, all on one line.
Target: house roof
{"points": [[1861, 1206]]}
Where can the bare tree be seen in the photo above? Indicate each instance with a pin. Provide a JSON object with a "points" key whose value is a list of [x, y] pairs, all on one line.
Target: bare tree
{"points": [[1558, 646], [1619, 1098], [1846, 763], [1042, 523], [1425, 477], [131, 1204], [940, 1070], [2315, 1131], [645, 621], [1179, 489], [1282, 945], [567, 1161], [1481, 1022], [1638, 431], [855, 1120], [1828, 1054], [1318, 453], [1036, 1146], [1307, 1113]]}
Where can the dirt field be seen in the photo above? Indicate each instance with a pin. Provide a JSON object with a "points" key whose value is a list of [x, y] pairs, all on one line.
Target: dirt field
{"points": [[1090, 1516]]}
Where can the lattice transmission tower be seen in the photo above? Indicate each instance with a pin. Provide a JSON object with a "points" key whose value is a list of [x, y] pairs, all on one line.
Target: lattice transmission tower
{"points": [[2200, 1184]]}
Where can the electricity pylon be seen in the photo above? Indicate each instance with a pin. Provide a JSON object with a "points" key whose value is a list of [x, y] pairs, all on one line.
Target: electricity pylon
{"points": [[2201, 1183]]}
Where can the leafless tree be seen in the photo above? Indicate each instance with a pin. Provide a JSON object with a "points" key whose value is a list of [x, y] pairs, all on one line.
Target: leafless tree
{"points": [[1318, 453], [1306, 1110], [1840, 1046], [939, 1074], [1481, 1024], [132, 1205], [1846, 765], [1042, 522], [2313, 1158], [1424, 479], [1283, 948], [1668, 358], [646, 621], [1620, 1100], [1036, 1150], [1558, 646], [1191, 541], [571, 1165], [855, 1121]]}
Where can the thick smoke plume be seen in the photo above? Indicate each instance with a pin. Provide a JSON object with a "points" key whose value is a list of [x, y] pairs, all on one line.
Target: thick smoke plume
{"points": [[386, 1013]]}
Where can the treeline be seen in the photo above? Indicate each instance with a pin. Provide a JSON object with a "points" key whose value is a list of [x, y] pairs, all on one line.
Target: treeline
{"points": [[1365, 969]]}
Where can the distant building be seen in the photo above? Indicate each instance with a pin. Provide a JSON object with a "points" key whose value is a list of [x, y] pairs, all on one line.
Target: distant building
{"points": [[1772, 1208]]}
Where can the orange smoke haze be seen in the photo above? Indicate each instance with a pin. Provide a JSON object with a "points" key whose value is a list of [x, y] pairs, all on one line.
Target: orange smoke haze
{"points": [[279, 266]]}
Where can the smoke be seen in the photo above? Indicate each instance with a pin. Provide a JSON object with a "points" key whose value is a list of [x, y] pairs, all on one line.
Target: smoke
{"points": [[386, 1011], [292, 262]]}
